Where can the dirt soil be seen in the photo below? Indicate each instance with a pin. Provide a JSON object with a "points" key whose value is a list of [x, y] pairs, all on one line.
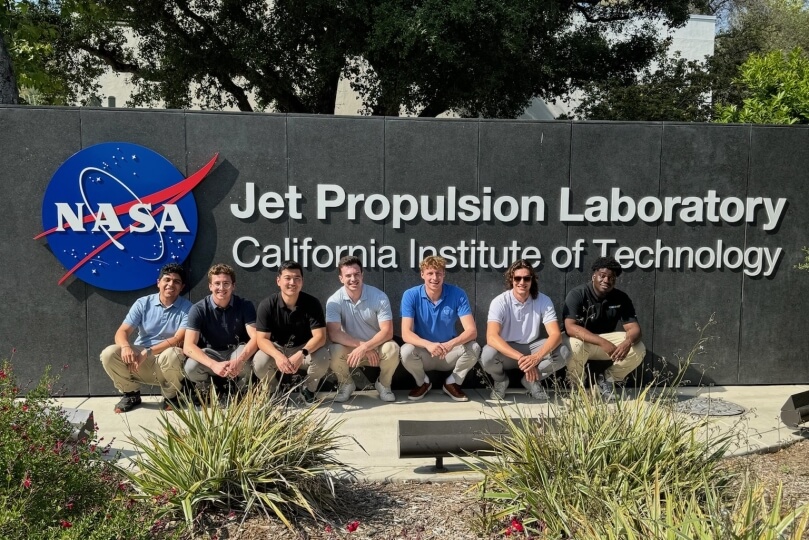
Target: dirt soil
{"points": [[447, 510]]}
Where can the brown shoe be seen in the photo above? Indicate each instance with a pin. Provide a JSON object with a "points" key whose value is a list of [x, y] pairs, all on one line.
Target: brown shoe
{"points": [[454, 391], [418, 393]]}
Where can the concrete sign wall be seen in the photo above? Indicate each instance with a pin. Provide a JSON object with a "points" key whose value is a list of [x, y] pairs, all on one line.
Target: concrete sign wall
{"points": [[705, 219]]}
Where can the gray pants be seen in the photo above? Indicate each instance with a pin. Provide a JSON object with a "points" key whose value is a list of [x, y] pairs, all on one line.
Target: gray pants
{"points": [[198, 373], [495, 364], [315, 368], [461, 359]]}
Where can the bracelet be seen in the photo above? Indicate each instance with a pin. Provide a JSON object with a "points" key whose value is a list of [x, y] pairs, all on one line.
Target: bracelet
{"points": [[126, 346]]}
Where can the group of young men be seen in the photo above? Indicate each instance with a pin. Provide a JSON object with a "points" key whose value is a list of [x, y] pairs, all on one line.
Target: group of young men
{"points": [[224, 336]]}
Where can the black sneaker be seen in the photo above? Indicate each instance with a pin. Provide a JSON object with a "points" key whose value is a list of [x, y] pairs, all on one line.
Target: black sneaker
{"points": [[171, 403], [308, 396], [128, 402]]}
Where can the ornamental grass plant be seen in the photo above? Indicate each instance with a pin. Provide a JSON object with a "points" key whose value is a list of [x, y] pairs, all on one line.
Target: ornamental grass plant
{"points": [[260, 453], [52, 486], [636, 468]]}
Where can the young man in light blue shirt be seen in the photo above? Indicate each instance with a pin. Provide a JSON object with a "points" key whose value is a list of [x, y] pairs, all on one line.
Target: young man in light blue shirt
{"points": [[155, 357]]}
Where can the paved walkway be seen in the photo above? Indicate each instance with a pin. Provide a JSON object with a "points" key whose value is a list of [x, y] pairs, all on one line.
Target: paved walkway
{"points": [[372, 424]]}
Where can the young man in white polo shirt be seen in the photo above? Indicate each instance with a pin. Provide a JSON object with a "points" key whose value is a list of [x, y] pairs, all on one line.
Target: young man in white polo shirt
{"points": [[360, 326], [513, 334]]}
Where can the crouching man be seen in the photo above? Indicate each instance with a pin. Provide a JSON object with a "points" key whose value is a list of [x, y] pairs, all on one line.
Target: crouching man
{"points": [[220, 338], [155, 358], [592, 312], [360, 326], [512, 334]]}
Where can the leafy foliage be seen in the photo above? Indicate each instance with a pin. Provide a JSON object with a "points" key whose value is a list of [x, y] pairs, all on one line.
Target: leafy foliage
{"points": [[255, 454], [674, 89], [481, 57], [635, 469], [51, 486], [776, 87]]}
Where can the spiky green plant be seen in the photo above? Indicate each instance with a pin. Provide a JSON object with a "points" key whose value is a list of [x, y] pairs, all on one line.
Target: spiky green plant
{"points": [[258, 453]]}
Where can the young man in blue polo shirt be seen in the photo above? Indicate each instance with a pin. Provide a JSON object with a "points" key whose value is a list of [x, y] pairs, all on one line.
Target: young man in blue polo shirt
{"points": [[429, 314], [155, 357], [220, 338]]}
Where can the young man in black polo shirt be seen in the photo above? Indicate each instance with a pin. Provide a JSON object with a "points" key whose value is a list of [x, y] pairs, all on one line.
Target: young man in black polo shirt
{"points": [[592, 312], [220, 338], [291, 332]]}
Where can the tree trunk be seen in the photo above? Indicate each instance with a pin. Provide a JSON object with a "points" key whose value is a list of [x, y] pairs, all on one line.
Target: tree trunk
{"points": [[9, 94]]}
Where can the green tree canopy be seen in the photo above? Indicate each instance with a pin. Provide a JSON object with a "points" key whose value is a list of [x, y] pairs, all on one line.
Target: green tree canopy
{"points": [[475, 57], [776, 89]]}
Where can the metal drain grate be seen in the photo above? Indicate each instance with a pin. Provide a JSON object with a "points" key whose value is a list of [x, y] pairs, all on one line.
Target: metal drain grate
{"points": [[709, 407]]}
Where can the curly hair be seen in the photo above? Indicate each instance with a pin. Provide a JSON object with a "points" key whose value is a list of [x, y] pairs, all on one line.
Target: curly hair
{"points": [[433, 262], [221, 268], [608, 263], [519, 265]]}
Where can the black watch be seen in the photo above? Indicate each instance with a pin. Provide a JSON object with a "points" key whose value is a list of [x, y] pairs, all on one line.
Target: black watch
{"points": [[305, 352]]}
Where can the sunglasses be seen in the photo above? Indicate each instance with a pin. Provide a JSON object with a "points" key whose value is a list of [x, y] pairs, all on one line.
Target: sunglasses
{"points": [[517, 279]]}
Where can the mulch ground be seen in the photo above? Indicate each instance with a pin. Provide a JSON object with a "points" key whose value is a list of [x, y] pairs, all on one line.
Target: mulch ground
{"points": [[433, 511]]}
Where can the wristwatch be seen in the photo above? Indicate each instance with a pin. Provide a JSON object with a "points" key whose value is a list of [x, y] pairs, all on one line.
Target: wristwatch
{"points": [[148, 351], [305, 352]]}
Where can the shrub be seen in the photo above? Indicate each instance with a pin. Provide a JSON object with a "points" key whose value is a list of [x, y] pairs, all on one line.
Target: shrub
{"points": [[255, 454], [633, 469], [50, 486]]}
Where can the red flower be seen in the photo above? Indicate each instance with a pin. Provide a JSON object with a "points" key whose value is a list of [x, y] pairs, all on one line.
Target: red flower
{"points": [[516, 526], [26, 482], [3, 374], [24, 408], [328, 528], [65, 524], [507, 532], [353, 526]]}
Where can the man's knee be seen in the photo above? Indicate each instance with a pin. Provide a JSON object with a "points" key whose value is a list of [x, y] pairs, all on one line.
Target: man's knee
{"points": [[171, 359], [408, 353], [488, 358], [338, 352], [110, 355], [194, 371], [389, 350]]}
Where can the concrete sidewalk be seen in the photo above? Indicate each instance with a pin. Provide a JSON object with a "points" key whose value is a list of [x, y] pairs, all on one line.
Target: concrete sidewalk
{"points": [[372, 425]]}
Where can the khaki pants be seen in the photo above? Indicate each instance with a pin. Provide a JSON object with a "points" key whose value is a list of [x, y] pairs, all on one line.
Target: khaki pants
{"points": [[582, 352], [462, 358], [388, 360], [316, 367], [164, 370]]}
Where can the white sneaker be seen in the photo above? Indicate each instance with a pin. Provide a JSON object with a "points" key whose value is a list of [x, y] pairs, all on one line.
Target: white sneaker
{"points": [[535, 389], [385, 393], [345, 391], [499, 389], [609, 389]]}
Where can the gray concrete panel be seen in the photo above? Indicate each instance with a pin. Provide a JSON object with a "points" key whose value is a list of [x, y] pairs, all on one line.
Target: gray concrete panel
{"points": [[346, 154], [696, 159], [524, 159], [252, 149], [425, 158], [774, 339], [49, 325], [615, 155]]}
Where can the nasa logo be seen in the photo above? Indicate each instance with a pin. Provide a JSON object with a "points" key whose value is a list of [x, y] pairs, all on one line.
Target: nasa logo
{"points": [[114, 213]]}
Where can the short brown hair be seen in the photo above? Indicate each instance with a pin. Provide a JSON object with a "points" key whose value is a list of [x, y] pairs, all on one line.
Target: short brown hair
{"points": [[221, 268], [433, 262], [349, 260], [520, 265]]}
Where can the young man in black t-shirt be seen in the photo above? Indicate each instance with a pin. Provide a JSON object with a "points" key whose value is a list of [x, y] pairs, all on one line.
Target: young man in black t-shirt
{"points": [[592, 312], [291, 332]]}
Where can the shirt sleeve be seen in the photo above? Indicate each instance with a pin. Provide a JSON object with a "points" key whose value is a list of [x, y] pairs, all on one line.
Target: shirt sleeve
{"points": [[497, 311], [194, 321], [248, 313], [316, 317], [135, 315], [548, 311], [263, 316], [385, 312], [573, 303], [408, 303], [628, 310], [463, 304], [333, 309]]}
